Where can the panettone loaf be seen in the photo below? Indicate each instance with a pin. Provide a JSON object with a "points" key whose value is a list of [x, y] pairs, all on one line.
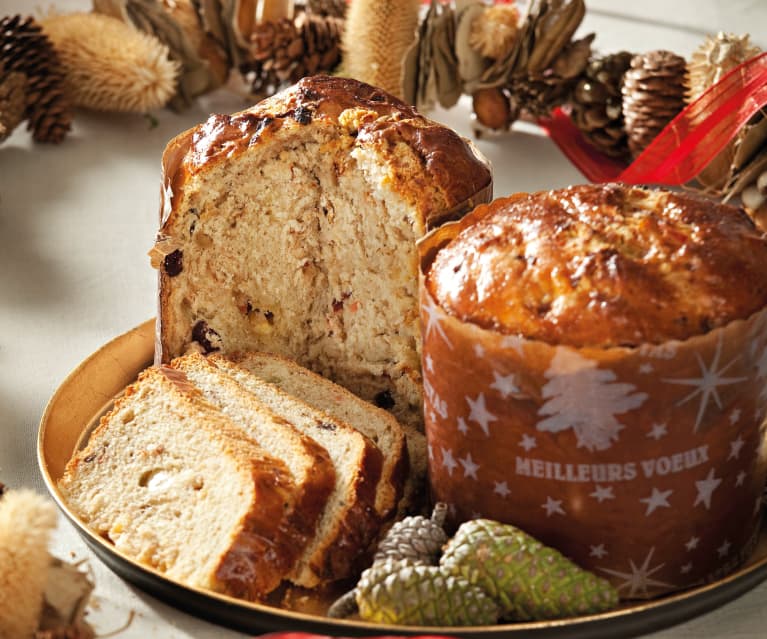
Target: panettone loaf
{"points": [[603, 265], [403, 446], [291, 228], [176, 485], [350, 521], [595, 371]]}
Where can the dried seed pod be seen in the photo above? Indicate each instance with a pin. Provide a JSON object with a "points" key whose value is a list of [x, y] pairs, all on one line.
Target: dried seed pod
{"points": [[121, 69]]}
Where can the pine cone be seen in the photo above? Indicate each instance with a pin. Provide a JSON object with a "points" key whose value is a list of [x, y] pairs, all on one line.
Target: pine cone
{"points": [[529, 580], [285, 51], [597, 104], [336, 8], [415, 539], [537, 94], [653, 94], [398, 592], [24, 48], [12, 105]]}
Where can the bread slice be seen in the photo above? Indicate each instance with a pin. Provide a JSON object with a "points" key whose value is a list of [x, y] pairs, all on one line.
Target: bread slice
{"points": [[174, 484], [404, 448], [308, 462], [291, 228], [350, 521]]}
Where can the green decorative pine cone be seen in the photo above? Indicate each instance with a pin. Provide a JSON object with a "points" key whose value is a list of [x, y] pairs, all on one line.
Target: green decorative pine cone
{"points": [[530, 581], [399, 592]]}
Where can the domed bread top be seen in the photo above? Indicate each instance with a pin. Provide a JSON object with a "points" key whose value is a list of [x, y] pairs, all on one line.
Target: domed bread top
{"points": [[602, 266], [450, 170]]}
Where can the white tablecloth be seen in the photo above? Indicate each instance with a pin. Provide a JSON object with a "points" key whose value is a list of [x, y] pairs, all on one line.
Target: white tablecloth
{"points": [[77, 220]]}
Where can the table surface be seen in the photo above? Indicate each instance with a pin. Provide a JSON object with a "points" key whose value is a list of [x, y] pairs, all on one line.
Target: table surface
{"points": [[77, 220]]}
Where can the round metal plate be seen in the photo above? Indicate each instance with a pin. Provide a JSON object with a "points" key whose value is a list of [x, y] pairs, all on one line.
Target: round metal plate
{"points": [[91, 387]]}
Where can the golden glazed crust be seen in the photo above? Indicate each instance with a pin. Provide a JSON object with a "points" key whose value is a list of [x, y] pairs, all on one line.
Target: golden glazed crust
{"points": [[602, 266], [452, 172]]}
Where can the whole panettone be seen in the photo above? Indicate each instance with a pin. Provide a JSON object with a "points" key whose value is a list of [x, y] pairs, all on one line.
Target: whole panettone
{"points": [[609, 347]]}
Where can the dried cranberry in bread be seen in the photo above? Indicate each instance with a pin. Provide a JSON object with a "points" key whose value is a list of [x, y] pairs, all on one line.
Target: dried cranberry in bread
{"points": [[602, 265], [291, 228], [175, 485]]}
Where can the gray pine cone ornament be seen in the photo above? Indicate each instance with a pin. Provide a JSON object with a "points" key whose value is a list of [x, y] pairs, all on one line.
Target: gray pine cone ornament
{"points": [[530, 581], [399, 592], [597, 108], [414, 540], [653, 94]]}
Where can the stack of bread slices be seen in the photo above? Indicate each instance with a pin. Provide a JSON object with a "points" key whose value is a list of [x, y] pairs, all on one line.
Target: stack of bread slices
{"points": [[236, 474]]}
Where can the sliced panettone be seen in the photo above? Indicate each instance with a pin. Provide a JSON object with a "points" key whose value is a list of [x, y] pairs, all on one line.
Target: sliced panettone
{"points": [[174, 484], [350, 521], [403, 447], [308, 462], [291, 228]]}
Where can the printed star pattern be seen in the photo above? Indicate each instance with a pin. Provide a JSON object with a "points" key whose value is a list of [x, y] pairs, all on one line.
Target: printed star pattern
{"points": [[658, 499], [470, 468], [639, 580], [448, 461], [711, 378], [502, 488], [601, 493], [658, 431], [504, 384], [735, 446], [553, 507], [598, 551], [434, 323], [528, 442], [574, 392], [706, 488], [479, 413]]}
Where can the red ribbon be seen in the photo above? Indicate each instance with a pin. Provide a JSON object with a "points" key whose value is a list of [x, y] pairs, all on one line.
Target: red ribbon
{"points": [[687, 144]]}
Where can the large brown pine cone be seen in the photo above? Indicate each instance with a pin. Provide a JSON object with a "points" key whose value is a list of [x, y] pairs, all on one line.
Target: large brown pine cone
{"points": [[12, 101], [283, 52], [597, 104], [653, 94], [537, 94], [25, 49]]}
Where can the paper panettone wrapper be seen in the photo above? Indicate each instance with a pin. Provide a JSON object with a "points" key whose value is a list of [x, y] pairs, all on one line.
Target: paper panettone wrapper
{"points": [[645, 465]]}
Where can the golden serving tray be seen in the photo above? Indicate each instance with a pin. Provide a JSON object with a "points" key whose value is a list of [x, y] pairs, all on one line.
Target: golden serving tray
{"points": [[90, 389]]}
